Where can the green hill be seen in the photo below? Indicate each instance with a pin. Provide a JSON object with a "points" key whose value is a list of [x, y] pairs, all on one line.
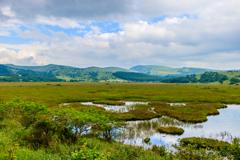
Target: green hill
{"points": [[8, 74], [229, 77], [137, 77], [167, 71], [142, 73], [67, 73]]}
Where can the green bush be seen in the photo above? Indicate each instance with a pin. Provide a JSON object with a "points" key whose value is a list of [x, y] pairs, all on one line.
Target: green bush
{"points": [[45, 133], [25, 113]]}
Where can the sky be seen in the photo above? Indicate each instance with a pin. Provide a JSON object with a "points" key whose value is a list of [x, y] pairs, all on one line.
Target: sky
{"points": [[121, 33]]}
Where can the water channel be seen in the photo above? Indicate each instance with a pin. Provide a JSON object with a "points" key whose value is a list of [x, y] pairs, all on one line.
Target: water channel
{"points": [[224, 126]]}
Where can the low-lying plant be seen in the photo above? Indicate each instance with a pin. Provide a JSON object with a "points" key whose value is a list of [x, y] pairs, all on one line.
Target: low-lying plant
{"points": [[205, 143], [171, 130]]}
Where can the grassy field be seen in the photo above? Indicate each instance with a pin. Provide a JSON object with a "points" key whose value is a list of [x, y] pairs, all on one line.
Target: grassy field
{"points": [[55, 93]]}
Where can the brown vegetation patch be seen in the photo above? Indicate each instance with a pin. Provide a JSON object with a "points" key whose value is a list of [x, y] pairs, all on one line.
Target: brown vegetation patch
{"points": [[192, 112]]}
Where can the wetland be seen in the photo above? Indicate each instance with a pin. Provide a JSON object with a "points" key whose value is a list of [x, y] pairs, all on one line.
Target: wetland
{"points": [[116, 119]]}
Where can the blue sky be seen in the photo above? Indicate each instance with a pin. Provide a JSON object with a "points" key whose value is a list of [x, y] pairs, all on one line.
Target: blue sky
{"points": [[123, 33]]}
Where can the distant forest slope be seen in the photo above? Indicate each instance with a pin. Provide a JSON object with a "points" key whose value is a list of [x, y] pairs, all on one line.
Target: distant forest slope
{"points": [[66, 73], [137, 77], [57, 73], [169, 72], [9, 74], [230, 77]]}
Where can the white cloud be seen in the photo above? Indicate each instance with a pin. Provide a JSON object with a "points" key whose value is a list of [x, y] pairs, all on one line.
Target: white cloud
{"points": [[7, 12], [62, 22], [96, 29], [11, 56]]}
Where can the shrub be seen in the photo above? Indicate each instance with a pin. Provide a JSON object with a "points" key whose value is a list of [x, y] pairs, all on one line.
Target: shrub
{"points": [[45, 133], [25, 113]]}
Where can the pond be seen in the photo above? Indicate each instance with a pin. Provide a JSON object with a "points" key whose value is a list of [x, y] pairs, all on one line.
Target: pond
{"points": [[223, 127]]}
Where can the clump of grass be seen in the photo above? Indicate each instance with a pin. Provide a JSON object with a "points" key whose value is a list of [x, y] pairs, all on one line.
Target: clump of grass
{"points": [[109, 102], [171, 130], [138, 114], [191, 112], [204, 143], [146, 140]]}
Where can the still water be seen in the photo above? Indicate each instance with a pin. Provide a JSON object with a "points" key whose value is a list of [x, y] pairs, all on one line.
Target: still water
{"points": [[224, 126], [115, 108]]}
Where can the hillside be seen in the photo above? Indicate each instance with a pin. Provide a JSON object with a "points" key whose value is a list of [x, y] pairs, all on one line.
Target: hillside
{"points": [[67, 73], [230, 77], [137, 77], [167, 71], [8, 74], [149, 73]]}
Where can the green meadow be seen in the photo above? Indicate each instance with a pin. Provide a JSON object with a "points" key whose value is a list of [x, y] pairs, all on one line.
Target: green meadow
{"points": [[54, 93]]}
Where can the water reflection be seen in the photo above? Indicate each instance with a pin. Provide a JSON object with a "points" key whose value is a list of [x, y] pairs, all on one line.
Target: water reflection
{"points": [[125, 108], [223, 127]]}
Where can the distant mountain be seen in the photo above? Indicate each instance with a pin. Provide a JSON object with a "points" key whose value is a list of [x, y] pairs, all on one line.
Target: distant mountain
{"points": [[67, 73], [169, 72], [141, 73], [9, 74]]}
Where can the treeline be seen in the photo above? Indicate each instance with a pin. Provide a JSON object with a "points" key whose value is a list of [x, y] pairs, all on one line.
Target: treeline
{"points": [[209, 77], [137, 77], [234, 80], [187, 79], [206, 77]]}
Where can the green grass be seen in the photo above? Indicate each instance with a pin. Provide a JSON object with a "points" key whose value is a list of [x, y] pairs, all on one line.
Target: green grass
{"points": [[171, 130], [86, 91], [204, 143]]}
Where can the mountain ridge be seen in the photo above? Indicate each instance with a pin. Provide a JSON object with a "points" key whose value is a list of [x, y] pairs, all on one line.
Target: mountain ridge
{"points": [[170, 72]]}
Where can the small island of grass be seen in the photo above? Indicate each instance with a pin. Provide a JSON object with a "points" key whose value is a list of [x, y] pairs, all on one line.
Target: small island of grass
{"points": [[109, 102], [171, 130], [204, 143]]}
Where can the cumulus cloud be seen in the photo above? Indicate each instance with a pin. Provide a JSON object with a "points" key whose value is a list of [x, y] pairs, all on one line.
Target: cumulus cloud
{"points": [[11, 56]]}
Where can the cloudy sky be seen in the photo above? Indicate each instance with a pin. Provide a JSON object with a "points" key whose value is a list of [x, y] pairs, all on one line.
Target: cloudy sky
{"points": [[122, 33]]}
